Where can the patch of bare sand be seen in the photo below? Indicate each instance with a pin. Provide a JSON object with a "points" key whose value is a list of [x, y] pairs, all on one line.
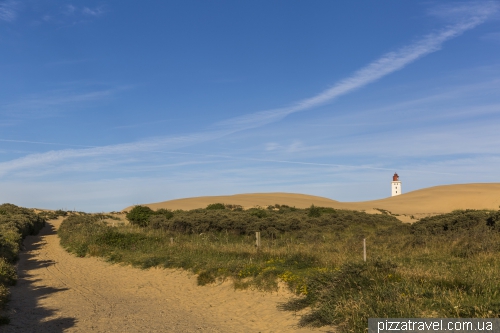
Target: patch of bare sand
{"points": [[420, 203], [59, 292]]}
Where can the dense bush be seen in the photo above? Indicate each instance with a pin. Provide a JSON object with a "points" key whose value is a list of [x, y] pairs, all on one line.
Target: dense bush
{"points": [[140, 215], [314, 211], [15, 224], [215, 206], [457, 222], [144, 216], [52, 214], [74, 226], [469, 232], [268, 221]]}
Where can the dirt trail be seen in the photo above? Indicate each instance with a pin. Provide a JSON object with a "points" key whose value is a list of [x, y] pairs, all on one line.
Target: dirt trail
{"points": [[58, 292]]}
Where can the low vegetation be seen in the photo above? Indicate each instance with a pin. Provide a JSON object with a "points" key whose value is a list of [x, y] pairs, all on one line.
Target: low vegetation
{"points": [[441, 266], [52, 214], [15, 224]]}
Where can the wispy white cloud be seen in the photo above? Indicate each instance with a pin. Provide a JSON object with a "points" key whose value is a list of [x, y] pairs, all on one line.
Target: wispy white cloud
{"points": [[272, 146], [69, 9], [98, 11], [336, 183], [462, 11], [8, 10], [154, 145], [381, 67], [143, 124], [60, 99], [294, 147], [70, 15], [75, 10], [443, 141], [45, 143], [67, 62], [468, 16], [50, 102], [492, 36]]}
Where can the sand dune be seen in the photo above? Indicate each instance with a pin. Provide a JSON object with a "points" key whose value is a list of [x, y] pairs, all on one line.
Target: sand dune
{"points": [[428, 201], [245, 200]]}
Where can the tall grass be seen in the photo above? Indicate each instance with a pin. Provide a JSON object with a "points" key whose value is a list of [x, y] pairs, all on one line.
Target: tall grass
{"points": [[444, 266], [15, 224]]}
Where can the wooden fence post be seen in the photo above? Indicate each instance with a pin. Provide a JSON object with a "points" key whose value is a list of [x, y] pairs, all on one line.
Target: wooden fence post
{"points": [[364, 249], [257, 239]]}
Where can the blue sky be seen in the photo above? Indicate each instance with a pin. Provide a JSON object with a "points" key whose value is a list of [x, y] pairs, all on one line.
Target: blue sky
{"points": [[105, 104]]}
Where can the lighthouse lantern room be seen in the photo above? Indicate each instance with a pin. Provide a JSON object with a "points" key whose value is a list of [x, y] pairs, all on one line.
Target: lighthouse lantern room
{"points": [[396, 185]]}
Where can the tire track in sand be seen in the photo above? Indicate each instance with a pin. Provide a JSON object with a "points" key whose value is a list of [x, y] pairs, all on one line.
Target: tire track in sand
{"points": [[59, 292]]}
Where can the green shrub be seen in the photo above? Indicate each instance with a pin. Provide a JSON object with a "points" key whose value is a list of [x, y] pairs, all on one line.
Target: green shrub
{"points": [[4, 297], [458, 221], [8, 275], [61, 212], [139, 215], [205, 277], [314, 211], [52, 215], [273, 222], [168, 214], [15, 224], [234, 207], [257, 212], [215, 206]]}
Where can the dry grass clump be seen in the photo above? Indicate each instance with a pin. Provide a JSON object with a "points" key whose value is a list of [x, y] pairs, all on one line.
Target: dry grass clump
{"points": [[443, 266]]}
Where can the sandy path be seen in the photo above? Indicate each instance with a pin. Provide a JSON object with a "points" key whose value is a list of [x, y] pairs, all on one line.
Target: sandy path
{"points": [[58, 292]]}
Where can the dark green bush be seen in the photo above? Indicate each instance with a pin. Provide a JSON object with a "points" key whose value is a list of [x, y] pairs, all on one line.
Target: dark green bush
{"points": [[119, 240], [215, 206], [257, 212], [168, 214], [77, 232], [52, 215], [8, 275], [15, 224], [139, 215], [61, 212], [144, 216], [270, 222], [314, 211], [458, 221]]}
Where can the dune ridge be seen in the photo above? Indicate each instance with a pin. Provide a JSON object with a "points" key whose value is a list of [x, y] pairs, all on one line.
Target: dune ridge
{"points": [[428, 201]]}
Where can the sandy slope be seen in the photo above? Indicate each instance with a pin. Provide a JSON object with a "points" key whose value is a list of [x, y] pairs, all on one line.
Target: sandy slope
{"points": [[58, 292], [246, 200], [428, 201]]}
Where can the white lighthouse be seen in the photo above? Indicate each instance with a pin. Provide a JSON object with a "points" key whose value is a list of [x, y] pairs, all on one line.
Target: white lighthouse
{"points": [[396, 185]]}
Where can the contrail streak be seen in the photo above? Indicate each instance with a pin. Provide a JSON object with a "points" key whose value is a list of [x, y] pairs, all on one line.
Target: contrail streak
{"points": [[47, 143], [388, 63]]}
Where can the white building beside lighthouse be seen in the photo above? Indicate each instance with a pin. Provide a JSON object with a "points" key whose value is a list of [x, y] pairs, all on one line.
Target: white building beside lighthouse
{"points": [[396, 185]]}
